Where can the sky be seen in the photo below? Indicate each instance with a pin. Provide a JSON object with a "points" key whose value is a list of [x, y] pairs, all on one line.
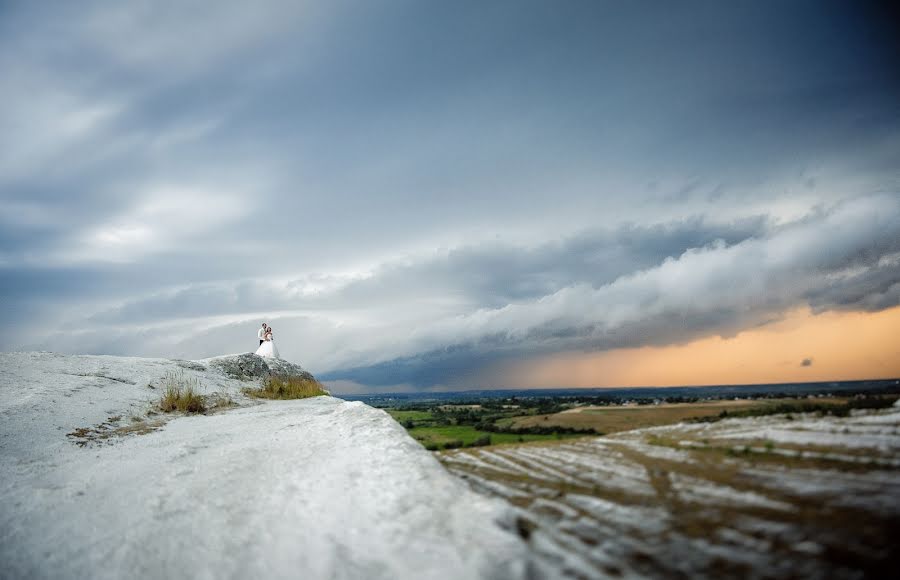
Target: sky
{"points": [[449, 195]]}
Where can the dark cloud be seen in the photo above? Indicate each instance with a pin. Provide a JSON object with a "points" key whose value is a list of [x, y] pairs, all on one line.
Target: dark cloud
{"points": [[719, 289], [483, 275], [873, 288], [807, 362]]}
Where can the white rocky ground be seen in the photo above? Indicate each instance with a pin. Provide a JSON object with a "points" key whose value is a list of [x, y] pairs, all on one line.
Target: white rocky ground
{"points": [[93, 487], [768, 497]]}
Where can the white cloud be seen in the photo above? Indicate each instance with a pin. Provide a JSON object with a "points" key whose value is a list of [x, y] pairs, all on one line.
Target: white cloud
{"points": [[166, 218], [186, 36], [46, 124]]}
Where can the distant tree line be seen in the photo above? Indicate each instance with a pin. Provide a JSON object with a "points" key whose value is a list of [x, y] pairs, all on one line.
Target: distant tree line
{"points": [[536, 429], [807, 406]]}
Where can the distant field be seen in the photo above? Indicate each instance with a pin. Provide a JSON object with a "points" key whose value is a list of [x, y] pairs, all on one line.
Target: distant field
{"points": [[467, 434], [452, 426], [613, 419], [402, 416], [423, 426]]}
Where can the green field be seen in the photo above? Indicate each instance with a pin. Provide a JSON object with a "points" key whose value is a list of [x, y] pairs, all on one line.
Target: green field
{"points": [[433, 431]]}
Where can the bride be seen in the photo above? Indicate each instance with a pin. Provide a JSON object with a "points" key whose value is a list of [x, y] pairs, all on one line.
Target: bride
{"points": [[267, 348]]}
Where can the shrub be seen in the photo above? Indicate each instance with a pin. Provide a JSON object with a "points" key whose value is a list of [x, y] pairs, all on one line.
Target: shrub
{"points": [[543, 430], [872, 402], [181, 394], [453, 444], [287, 387], [481, 441]]}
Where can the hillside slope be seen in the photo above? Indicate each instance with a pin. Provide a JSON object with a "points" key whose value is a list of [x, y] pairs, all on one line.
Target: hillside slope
{"points": [[783, 496], [315, 488]]}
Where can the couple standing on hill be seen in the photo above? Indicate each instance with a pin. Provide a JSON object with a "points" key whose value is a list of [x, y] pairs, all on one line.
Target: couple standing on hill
{"points": [[266, 342]]}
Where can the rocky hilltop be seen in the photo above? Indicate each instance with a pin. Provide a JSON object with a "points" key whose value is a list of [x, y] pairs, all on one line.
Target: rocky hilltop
{"points": [[251, 366], [96, 482]]}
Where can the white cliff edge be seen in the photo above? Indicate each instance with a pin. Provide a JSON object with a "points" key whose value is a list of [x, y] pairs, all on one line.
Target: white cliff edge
{"points": [[314, 488]]}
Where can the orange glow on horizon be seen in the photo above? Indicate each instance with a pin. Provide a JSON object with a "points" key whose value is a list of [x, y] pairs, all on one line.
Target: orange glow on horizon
{"points": [[840, 346]]}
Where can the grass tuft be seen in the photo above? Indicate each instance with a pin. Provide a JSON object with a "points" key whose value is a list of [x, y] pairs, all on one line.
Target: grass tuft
{"points": [[285, 387], [181, 394]]}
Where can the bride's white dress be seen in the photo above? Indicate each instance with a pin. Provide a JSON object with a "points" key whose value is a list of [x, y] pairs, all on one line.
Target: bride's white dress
{"points": [[268, 350]]}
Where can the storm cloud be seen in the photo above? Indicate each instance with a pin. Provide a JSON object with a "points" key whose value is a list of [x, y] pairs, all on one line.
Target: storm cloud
{"points": [[411, 191]]}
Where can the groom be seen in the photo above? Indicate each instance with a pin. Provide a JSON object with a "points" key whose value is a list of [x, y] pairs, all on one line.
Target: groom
{"points": [[261, 334]]}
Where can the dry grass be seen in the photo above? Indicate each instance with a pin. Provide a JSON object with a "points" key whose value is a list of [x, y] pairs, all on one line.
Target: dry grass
{"points": [[109, 431], [287, 388], [139, 428], [181, 394], [218, 401]]}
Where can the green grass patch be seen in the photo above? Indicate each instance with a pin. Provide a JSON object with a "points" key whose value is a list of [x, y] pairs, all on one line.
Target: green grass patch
{"points": [[281, 387]]}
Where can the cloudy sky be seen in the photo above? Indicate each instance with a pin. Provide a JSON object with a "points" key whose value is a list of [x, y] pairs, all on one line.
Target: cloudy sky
{"points": [[430, 195]]}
